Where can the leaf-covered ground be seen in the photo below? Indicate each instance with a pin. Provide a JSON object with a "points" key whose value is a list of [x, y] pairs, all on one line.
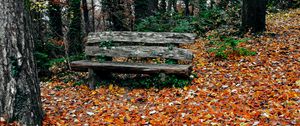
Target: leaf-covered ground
{"points": [[253, 90]]}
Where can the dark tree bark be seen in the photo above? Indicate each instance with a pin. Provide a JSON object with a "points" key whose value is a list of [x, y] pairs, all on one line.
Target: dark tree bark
{"points": [[116, 13], [74, 34], [169, 6], [254, 15], [163, 6], [19, 88], [55, 20], [193, 8], [223, 4], [144, 8], [39, 28], [86, 16], [118, 16], [93, 16], [140, 11], [186, 10], [38, 25], [174, 4], [152, 6]]}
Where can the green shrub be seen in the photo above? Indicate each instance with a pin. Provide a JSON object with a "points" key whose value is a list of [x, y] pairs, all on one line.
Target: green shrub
{"points": [[218, 17], [207, 19], [60, 65], [183, 26], [229, 45], [44, 53]]}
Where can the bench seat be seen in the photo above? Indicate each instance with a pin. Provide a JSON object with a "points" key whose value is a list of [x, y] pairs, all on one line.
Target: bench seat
{"points": [[102, 49], [124, 67]]}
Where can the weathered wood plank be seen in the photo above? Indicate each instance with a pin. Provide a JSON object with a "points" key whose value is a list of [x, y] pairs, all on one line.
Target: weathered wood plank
{"points": [[140, 51], [95, 76], [133, 67], [142, 37], [92, 78]]}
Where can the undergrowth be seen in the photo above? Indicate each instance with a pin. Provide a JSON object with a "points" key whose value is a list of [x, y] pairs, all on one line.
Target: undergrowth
{"points": [[224, 46], [157, 81]]}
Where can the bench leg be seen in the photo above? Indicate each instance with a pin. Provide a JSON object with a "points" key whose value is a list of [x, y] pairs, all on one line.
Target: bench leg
{"points": [[92, 79], [95, 76]]}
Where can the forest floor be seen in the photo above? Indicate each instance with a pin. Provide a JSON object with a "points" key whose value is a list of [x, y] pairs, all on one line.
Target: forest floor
{"points": [[243, 90]]}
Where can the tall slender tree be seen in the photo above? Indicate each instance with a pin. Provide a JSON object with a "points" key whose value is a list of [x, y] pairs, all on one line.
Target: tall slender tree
{"points": [[153, 7], [254, 15], [172, 4], [86, 16], [19, 88], [144, 8], [186, 9], [163, 5], [74, 34], [55, 19], [116, 14], [93, 16]]}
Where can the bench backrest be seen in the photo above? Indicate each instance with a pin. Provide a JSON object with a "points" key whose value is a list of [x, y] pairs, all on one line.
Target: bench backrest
{"points": [[139, 44]]}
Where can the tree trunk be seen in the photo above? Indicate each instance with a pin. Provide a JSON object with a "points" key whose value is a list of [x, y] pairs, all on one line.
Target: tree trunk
{"points": [[163, 6], [118, 16], [19, 88], [74, 35], [144, 8], [116, 13], [186, 10], [153, 6], [253, 15], [86, 16], [174, 4], [39, 28], [169, 6], [193, 7], [139, 10], [93, 16], [55, 20]]}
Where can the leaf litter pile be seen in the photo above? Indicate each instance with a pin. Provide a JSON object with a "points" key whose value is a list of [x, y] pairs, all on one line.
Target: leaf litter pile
{"points": [[253, 90]]}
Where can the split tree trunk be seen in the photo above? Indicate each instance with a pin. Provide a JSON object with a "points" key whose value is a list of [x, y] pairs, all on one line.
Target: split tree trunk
{"points": [[19, 88], [254, 15]]}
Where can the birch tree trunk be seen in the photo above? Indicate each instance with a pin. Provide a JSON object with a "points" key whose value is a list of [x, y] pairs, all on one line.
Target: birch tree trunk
{"points": [[19, 89]]}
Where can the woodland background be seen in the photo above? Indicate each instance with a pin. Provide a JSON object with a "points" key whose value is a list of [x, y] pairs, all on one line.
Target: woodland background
{"points": [[241, 76]]}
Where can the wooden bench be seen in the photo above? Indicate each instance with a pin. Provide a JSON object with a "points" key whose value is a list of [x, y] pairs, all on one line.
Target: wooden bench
{"points": [[117, 44]]}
